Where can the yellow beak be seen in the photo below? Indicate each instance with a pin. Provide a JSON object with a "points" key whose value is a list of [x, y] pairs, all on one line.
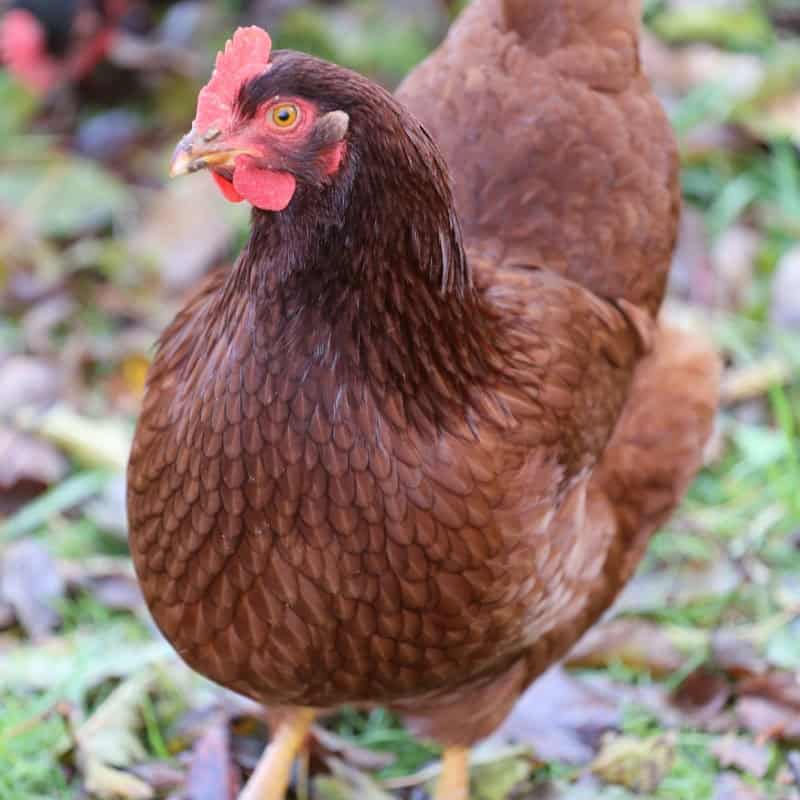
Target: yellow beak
{"points": [[195, 152]]}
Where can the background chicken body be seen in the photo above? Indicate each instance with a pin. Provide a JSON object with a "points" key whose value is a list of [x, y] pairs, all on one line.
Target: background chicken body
{"points": [[389, 468]]}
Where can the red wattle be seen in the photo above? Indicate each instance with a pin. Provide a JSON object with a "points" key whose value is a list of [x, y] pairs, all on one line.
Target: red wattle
{"points": [[266, 189], [227, 188]]}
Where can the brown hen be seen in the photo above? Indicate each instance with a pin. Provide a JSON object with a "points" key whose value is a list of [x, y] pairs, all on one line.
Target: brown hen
{"points": [[375, 465]]}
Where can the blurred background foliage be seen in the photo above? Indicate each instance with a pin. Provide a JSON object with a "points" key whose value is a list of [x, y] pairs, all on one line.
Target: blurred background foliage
{"points": [[689, 691]]}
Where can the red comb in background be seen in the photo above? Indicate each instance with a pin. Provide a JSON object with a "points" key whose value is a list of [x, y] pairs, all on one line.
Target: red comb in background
{"points": [[246, 55], [22, 49]]}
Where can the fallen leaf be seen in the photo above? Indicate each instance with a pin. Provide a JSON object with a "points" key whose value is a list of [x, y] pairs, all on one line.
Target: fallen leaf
{"points": [[27, 382], [159, 775], [111, 581], [31, 585], [105, 782], [770, 706], [637, 764], [635, 643], [496, 781], [733, 257], [23, 458], [793, 764], [768, 720], [735, 751], [80, 661], [782, 687], [731, 787], [588, 787], [561, 718], [753, 381], [7, 616], [785, 308], [110, 734], [95, 443], [652, 698], [212, 774], [108, 741], [736, 655], [659, 589], [691, 276], [108, 510], [27, 466], [702, 694], [40, 322]]}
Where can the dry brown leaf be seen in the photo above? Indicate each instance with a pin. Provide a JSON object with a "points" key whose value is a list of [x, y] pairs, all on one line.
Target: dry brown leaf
{"points": [[692, 276], [562, 718], [737, 656], [7, 617], [111, 581], [702, 695], [108, 510], [779, 686], [24, 458], [635, 643], [212, 774], [746, 755], [659, 589], [731, 787], [31, 585], [27, 381], [27, 466], [733, 257], [768, 720], [785, 309], [159, 775]]}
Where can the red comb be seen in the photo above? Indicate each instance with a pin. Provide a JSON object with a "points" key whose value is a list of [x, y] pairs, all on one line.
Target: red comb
{"points": [[246, 56], [22, 48]]}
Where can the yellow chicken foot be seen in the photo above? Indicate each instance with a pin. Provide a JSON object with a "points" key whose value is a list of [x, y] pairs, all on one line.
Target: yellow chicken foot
{"points": [[273, 772], [454, 780]]}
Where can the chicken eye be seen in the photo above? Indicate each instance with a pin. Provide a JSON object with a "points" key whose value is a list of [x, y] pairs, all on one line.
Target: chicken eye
{"points": [[285, 115]]}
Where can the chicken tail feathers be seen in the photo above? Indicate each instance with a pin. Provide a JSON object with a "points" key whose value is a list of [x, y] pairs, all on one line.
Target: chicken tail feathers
{"points": [[657, 447]]}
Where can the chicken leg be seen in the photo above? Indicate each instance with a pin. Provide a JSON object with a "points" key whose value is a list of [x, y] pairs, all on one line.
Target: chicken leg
{"points": [[454, 781], [273, 772]]}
